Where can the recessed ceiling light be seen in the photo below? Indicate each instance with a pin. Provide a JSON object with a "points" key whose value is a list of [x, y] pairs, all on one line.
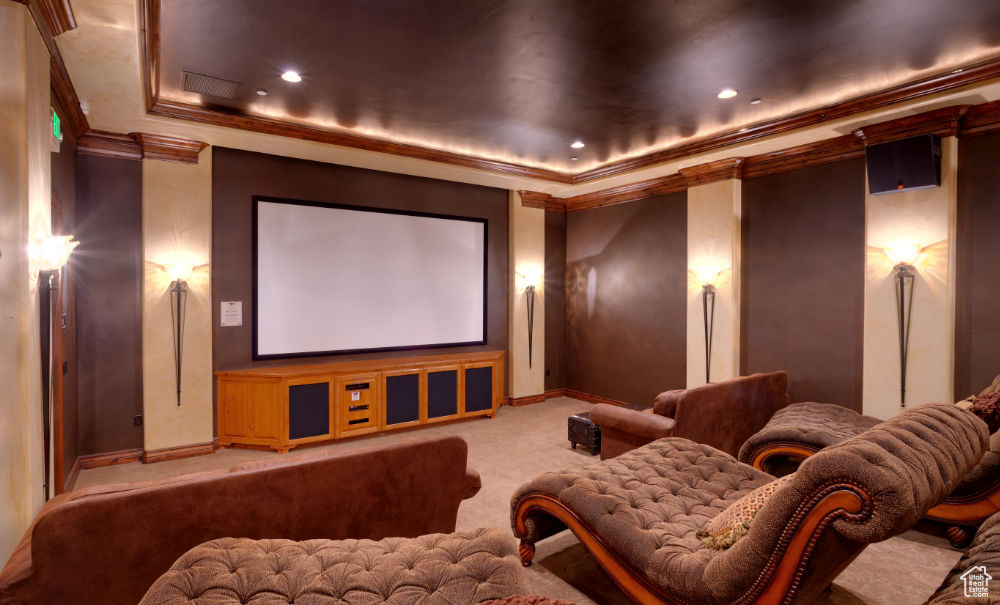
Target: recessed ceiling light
{"points": [[727, 93], [291, 76], [262, 92], [958, 71], [576, 145], [742, 130], [574, 158], [756, 101]]}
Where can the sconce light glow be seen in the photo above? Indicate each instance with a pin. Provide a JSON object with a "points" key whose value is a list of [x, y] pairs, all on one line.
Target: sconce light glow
{"points": [[179, 271], [530, 275], [53, 251], [905, 253], [707, 275]]}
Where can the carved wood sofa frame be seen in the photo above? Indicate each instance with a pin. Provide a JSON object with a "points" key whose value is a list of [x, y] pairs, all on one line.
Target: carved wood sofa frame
{"points": [[778, 583]]}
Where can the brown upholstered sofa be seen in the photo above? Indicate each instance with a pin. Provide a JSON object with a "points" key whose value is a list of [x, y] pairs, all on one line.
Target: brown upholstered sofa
{"points": [[983, 552], [639, 514], [802, 429], [721, 414], [106, 545]]}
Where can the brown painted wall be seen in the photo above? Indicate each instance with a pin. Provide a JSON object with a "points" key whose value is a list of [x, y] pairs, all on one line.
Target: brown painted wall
{"points": [[64, 222], [977, 334], [555, 300], [239, 175], [803, 280], [626, 308], [108, 266]]}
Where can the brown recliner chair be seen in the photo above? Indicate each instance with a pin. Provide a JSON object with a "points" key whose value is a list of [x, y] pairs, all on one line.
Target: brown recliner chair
{"points": [[640, 514], [721, 414], [108, 544]]}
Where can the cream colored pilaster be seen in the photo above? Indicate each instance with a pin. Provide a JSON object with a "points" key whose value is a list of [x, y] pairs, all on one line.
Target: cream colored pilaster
{"points": [[713, 252], [177, 229], [25, 217], [927, 218], [527, 266]]}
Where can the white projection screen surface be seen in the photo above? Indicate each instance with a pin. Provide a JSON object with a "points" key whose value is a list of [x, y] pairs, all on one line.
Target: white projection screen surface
{"points": [[332, 279]]}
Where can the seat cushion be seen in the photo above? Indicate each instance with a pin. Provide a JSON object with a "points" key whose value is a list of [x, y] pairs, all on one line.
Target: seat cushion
{"points": [[813, 425], [648, 504], [464, 567]]}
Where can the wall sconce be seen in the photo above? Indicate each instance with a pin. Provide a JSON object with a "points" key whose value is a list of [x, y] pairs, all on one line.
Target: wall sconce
{"points": [[530, 276], [52, 254], [179, 275], [903, 256], [707, 278]]}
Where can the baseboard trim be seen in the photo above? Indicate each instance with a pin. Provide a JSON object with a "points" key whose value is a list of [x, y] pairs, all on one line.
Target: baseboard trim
{"points": [[178, 452], [72, 476], [119, 457], [516, 401], [553, 393], [593, 398]]}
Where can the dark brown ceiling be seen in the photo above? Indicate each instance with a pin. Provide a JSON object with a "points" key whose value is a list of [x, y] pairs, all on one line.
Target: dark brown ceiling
{"points": [[521, 79]]}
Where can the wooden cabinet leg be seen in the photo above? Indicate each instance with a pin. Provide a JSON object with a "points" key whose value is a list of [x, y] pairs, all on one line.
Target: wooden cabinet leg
{"points": [[281, 450]]}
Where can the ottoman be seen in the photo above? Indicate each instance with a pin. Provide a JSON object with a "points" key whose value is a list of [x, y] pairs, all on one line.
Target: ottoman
{"points": [[582, 430], [463, 567]]}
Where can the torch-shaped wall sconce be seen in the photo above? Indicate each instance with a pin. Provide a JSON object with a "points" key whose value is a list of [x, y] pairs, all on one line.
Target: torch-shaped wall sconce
{"points": [[530, 277], [529, 297], [707, 278], [51, 253], [903, 256], [179, 275]]}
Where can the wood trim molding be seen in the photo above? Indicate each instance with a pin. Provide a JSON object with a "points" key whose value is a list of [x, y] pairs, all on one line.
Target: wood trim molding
{"points": [[74, 474], [553, 393], [57, 15], [593, 398], [981, 119], [171, 149], [544, 201], [264, 125], [109, 458], [934, 84], [826, 151], [711, 172], [631, 192], [516, 401], [53, 17], [945, 122], [139, 146], [109, 145], [178, 452], [149, 16]]}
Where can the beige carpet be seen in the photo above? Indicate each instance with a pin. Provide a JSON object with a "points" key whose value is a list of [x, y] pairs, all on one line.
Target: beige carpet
{"points": [[523, 442]]}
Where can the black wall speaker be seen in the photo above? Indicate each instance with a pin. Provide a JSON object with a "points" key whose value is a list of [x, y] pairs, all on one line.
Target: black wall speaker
{"points": [[913, 163]]}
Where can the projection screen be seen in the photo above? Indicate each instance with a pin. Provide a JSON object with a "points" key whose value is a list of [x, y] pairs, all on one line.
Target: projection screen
{"points": [[335, 278]]}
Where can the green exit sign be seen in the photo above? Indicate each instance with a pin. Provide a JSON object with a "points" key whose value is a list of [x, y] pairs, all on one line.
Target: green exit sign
{"points": [[56, 125]]}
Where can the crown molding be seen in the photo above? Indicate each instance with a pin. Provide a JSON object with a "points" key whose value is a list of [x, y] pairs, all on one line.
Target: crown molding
{"points": [[711, 172], [149, 14], [827, 151], [109, 145], [945, 122], [981, 119], [631, 192], [57, 15], [171, 149]]}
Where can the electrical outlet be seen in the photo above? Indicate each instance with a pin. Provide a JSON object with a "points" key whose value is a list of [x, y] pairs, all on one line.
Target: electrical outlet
{"points": [[137, 420]]}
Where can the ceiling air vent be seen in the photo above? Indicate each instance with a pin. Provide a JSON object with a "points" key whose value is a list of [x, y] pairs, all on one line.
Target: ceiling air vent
{"points": [[207, 85]]}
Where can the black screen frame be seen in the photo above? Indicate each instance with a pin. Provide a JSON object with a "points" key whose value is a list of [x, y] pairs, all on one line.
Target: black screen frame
{"points": [[333, 205]]}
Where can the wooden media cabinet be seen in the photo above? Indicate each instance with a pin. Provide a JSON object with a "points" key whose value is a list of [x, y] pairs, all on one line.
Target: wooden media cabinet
{"points": [[283, 407]]}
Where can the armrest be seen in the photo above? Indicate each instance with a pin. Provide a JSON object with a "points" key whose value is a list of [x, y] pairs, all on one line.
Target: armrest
{"points": [[473, 481], [650, 426]]}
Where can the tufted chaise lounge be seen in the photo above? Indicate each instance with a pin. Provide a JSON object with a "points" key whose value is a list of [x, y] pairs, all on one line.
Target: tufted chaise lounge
{"points": [[802, 429], [638, 514], [464, 567], [984, 551]]}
